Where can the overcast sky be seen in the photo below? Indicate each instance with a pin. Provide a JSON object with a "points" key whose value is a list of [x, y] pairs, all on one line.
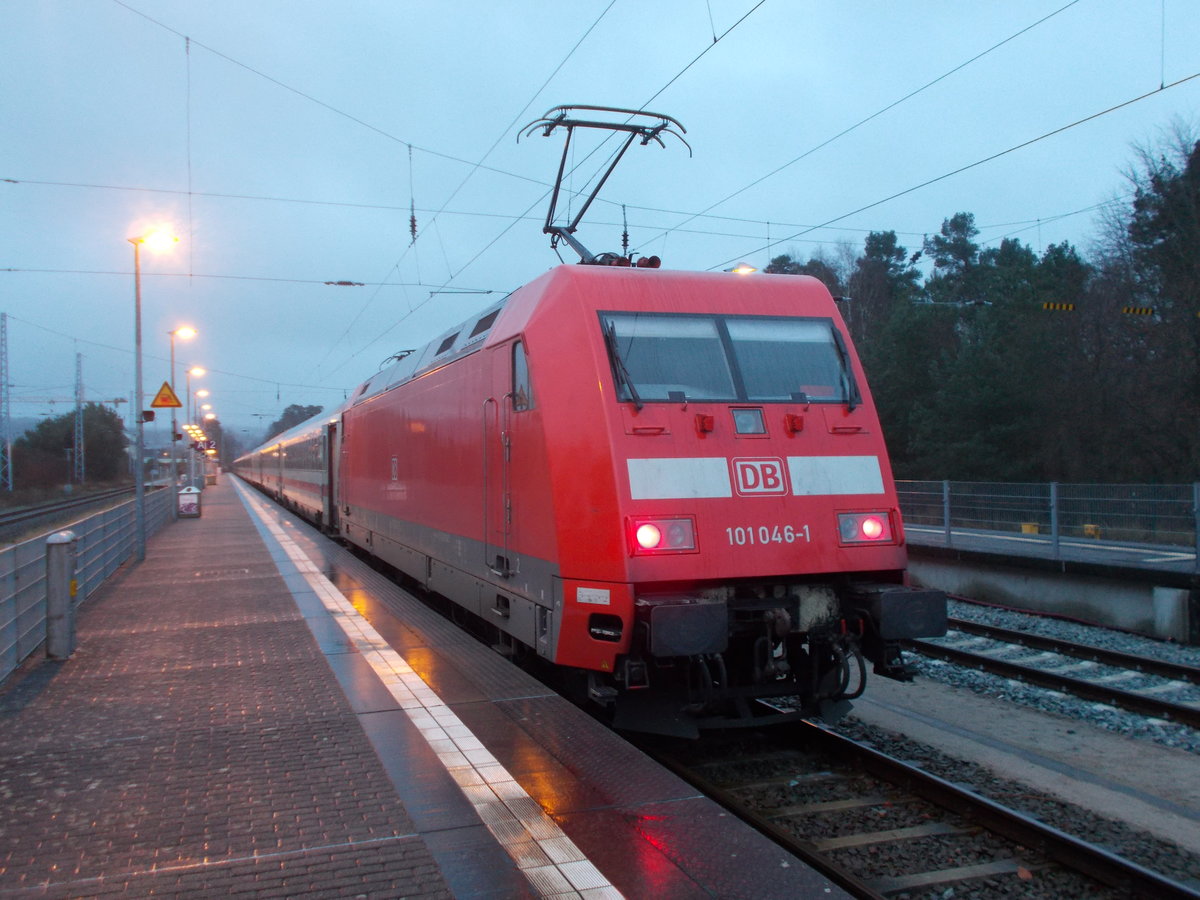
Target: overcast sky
{"points": [[274, 136]]}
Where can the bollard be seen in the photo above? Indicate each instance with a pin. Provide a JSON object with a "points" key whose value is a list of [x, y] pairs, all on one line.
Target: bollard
{"points": [[61, 588]]}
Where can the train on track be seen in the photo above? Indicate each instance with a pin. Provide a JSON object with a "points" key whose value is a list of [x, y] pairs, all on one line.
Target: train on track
{"points": [[671, 485]]}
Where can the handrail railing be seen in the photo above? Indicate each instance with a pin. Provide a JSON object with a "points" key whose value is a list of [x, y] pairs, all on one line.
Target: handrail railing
{"points": [[105, 540], [1157, 514]]}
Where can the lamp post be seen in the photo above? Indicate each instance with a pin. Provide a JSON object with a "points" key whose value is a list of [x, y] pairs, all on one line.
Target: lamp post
{"points": [[198, 371], [186, 333], [158, 240]]}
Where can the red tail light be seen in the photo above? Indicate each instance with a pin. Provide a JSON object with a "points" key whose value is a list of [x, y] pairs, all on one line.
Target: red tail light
{"points": [[865, 528], [651, 536]]}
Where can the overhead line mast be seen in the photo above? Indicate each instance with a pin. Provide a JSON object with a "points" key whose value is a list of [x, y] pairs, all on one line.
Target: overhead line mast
{"points": [[6, 474], [80, 466]]}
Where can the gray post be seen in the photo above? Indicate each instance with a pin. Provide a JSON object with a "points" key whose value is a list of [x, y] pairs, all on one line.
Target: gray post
{"points": [[946, 510], [61, 588], [1196, 513], [139, 468], [1054, 517]]}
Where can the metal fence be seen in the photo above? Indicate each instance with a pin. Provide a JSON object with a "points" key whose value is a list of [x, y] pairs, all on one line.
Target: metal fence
{"points": [[106, 540], [1165, 514]]}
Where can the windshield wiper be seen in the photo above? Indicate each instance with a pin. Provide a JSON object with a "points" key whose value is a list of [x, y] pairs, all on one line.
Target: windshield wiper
{"points": [[853, 397], [618, 364]]}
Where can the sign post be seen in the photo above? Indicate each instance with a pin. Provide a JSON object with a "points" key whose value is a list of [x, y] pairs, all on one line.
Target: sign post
{"points": [[167, 399]]}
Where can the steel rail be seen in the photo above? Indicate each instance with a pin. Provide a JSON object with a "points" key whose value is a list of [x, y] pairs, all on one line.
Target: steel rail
{"points": [[26, 514], [1069, 851], [21, 524], [803, 850], [1134, 702], [1063, 849], [1133, 662]]}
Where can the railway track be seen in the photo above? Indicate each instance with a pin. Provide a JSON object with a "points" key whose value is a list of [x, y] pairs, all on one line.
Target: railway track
{"points": [[16, 521], [1129, 661], [1102, 676], [880, 827]]}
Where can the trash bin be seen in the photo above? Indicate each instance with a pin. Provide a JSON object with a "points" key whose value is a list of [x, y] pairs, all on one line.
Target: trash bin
{"points": [[189, 503]]}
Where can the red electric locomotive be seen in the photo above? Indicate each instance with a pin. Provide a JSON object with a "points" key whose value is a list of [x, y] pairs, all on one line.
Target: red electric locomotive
{"points": [[672, 484]]}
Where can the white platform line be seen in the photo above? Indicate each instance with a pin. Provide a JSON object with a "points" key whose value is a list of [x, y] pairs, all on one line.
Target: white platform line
{"points": [[550, 860]]}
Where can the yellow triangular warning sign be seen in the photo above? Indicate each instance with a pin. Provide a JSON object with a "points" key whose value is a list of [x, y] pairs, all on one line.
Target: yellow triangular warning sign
{"points": [[165, 397]]}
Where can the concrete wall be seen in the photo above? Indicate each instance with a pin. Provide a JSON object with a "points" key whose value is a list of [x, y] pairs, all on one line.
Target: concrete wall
{"points": [[1140, 607]]}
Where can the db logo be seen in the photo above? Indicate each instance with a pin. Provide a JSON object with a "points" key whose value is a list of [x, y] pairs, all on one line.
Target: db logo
{"points": [[759, 476]]}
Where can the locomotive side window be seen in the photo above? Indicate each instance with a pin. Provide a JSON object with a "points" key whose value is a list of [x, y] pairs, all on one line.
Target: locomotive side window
{"points": [[485, 323], [762, 359], [522, 393]]}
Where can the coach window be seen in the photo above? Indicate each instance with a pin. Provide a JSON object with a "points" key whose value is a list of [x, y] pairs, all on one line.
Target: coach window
{"points": [[522, 387]]}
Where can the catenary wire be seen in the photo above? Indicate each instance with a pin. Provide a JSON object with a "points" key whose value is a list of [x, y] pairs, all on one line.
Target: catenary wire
{"points": [[330, 283], [128, 351], [961, 169], [327, 106], [301, 93], [391, 207], [510, 226], [475, 168], [651, 99], [874, 115]]}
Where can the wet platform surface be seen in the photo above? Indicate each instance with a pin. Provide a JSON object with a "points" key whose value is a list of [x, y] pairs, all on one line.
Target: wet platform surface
{"points": [[253, 709]]}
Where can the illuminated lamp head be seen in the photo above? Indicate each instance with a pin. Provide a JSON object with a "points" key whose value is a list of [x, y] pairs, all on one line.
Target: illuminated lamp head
{"points": [[648, 536]]}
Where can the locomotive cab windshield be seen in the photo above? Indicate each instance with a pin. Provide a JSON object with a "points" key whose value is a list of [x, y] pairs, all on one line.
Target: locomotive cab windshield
{"points": [[736, 359]]}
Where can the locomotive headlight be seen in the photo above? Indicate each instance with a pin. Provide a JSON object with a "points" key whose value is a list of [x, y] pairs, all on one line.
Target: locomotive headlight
{"points": [[654, 535], [649, 536], [865, 528]]}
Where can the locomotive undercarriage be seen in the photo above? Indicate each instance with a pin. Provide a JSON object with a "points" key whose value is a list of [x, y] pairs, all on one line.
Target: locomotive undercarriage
{"points": [[737, 656]]}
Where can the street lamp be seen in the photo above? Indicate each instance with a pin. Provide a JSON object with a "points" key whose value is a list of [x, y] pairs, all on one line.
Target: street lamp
{"points": [[157, 240], [184, 333], [198, 371]]}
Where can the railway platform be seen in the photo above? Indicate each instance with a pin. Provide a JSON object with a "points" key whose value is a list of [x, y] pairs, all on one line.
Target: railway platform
{"points": [[253, 710]]}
